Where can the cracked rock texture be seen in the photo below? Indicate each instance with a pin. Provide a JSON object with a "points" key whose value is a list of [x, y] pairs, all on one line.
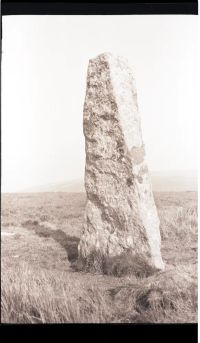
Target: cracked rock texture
{"points": [[120, 214]]}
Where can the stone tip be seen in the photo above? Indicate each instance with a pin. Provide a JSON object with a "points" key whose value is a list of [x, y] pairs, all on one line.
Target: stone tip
{"points": [[102, 56], [108, 56], [105, 54]]}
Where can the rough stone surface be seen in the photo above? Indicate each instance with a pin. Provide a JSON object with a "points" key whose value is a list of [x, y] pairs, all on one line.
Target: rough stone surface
{"points": [[120, 213]]}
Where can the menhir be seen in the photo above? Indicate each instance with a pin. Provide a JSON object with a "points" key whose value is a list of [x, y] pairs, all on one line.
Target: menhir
{"points": [[120, 216]]}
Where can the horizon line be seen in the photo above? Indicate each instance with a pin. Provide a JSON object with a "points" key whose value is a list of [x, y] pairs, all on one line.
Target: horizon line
{"points": [[30, 189]]}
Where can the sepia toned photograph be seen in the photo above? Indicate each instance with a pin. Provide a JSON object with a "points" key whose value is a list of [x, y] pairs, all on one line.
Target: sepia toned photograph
{"points": [[99, 219]]}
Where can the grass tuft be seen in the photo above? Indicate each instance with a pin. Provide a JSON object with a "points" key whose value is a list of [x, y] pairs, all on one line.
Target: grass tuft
{"points": [[169, 297], [121, 265]]}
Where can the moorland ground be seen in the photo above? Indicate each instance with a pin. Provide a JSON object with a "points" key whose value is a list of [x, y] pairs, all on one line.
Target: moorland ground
{"points": [[39, 284]]}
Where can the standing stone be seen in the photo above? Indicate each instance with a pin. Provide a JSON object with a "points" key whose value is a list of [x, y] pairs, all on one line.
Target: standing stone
{"points": [[120, 214]]}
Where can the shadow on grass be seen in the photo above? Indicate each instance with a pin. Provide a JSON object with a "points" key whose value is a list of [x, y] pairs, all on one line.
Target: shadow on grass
{"points": [[69, 243], [95, 263]]}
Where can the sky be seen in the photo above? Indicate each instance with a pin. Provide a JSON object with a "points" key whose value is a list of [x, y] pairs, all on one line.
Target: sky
{"points": [[44, 69]]}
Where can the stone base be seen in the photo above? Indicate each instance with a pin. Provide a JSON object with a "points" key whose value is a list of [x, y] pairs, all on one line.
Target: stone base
{"points": [[119, 265]]}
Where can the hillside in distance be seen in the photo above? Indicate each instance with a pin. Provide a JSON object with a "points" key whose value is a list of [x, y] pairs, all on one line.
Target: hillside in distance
{"points": [[180, 181]]}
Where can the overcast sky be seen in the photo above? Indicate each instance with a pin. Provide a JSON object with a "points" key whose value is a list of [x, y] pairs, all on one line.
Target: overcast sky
{"points": [[44, 66]]}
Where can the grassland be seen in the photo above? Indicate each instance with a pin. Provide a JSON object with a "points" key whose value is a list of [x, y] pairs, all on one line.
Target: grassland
{"points": [[39, 284]]}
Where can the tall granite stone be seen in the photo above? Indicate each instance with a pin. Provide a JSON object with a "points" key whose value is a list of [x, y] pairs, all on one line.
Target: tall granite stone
{"points": [[120, 214]]}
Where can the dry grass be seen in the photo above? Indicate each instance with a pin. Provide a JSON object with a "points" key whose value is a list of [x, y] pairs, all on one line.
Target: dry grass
{"points": [[166, 297], [40, 234], [39, 296]]}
